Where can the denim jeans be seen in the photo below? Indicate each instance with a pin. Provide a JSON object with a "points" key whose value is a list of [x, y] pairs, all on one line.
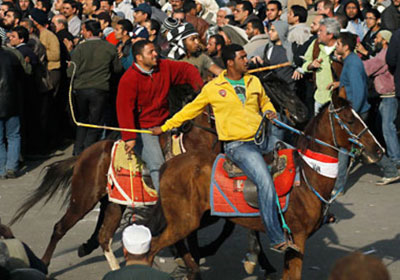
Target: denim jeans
{"points": [[278, 131], [148, 148], [388, 111], [386, 164], [10, 130], [343, 159], [248, 156]]}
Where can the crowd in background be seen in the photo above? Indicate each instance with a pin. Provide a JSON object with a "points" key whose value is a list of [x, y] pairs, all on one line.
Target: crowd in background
{"points": [[92, 40], [349, 44]]}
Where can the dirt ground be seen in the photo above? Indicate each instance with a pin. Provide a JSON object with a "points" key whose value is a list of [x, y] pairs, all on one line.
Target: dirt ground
{"points": [[368, 222]]}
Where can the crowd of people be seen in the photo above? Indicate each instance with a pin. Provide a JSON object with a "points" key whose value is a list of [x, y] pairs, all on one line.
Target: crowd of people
{"points": [[92, 41], [109, 50]]}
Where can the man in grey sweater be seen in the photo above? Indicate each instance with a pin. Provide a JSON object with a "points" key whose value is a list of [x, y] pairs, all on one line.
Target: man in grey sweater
{"points": [[94, 61]]}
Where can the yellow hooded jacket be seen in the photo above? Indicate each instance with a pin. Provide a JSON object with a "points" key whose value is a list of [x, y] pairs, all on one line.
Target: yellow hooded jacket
{"points": [[234, 120]]}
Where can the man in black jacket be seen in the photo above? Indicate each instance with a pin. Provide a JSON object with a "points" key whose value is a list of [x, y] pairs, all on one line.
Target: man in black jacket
{"points": [[390, 18], [393, 59], [10, 93]]}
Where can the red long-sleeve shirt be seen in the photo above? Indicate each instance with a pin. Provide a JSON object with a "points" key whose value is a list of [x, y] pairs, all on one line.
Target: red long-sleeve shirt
{"points": [[142, 100]]}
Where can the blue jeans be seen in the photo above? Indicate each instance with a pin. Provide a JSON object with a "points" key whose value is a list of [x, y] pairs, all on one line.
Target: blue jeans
{"points": [[148, 148], [388, 110], [275, 130], [248, 156], [9, 129], [343, 159]]}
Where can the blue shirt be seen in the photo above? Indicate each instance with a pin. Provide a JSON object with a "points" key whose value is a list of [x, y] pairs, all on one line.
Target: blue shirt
{"points": [[354, 79]]}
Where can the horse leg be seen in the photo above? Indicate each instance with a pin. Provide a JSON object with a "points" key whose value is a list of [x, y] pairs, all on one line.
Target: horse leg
{"points": [[193, 244], [212, 248], [262, 258], [188, 259], [112, 219], [70, 218], [293, 262], [93, 243], [174, 232]]}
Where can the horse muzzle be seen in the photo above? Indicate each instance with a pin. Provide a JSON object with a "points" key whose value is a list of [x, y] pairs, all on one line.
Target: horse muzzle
{"points": [[375, 156]]}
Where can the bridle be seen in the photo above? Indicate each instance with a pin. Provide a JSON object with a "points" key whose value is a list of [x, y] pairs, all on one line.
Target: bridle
{"points": [[354, 138]]}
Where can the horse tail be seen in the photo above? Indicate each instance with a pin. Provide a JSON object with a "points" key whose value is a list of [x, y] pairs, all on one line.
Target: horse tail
{"points": [[152, 217], [57, 176]]}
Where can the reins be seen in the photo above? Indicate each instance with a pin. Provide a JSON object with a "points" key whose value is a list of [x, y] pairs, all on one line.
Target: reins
{"points": [[316, 140]]}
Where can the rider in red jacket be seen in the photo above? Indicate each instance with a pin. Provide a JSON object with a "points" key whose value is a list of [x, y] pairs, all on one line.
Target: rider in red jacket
{"points": [[142, 100]]}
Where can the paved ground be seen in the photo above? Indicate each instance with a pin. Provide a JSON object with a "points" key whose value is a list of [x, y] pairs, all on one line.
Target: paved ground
{"points": [[368, 221]]}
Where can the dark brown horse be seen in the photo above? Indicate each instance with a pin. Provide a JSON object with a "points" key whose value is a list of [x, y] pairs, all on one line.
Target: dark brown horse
{"points": [[185, 194], [86, 176]]}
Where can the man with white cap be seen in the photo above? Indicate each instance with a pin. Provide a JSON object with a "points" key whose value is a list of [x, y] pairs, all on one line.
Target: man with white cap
{"points": [[136, 245]]}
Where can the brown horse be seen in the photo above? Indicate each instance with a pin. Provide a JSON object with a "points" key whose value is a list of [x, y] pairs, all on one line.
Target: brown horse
{"points": [[185, 194], [86, 174]]}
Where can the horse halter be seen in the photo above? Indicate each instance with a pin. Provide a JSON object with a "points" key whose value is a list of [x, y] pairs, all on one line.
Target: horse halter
{"points": [[354, 139]]}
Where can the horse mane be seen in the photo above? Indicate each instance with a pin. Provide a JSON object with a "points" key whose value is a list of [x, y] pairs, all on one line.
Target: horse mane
{"points": [[179, 96], [311, 128], [275, 83]]}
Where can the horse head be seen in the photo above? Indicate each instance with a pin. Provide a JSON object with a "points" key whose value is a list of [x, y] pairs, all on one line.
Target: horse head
{"points": [[350, 132]]}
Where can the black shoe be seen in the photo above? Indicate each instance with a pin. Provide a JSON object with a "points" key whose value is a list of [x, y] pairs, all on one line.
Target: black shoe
{"points": [[11, 174]]}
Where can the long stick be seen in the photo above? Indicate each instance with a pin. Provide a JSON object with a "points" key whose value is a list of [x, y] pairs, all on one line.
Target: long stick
{"points": [[272, 67]]}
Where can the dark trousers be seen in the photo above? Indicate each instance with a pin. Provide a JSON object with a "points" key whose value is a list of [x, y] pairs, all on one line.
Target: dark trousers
{"points": [[89, 108]]}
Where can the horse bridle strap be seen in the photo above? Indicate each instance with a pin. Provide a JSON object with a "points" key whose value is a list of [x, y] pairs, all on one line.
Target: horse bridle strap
{"points": [[316, 140], [353, 137]]}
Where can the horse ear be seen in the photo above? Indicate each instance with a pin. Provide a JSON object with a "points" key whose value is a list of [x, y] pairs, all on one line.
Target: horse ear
{"points": [[335, 97], [338, 93], [342, 93]]}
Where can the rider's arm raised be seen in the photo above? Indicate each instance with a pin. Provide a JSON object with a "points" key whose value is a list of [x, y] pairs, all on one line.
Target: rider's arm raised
{"points": [[185, 73]]}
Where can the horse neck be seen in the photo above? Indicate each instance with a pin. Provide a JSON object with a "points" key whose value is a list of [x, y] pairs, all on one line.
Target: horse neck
{"points": [[201, 134], [322, 184]]}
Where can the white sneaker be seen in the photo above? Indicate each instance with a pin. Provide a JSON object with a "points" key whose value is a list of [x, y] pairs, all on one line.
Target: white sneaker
{"points": [[387, 180]]}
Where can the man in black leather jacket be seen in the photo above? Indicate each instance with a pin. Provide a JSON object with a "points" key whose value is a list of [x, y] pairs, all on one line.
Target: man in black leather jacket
{"points": [[10, 100]]}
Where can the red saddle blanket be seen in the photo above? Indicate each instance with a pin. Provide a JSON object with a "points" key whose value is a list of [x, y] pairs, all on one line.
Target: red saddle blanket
{"points": [[125, 184], [226, 194]]}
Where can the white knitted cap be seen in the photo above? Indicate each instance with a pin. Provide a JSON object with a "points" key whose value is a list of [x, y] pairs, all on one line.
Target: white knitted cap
{"points": [[136, 239]]}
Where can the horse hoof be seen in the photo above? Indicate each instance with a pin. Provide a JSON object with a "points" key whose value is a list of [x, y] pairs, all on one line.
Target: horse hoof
{"points": [[249, 267], [83, 250], [180, 262]]}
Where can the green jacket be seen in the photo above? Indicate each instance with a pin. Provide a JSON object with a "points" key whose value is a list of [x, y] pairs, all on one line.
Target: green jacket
{"points": [[95, 60], [323, 75]]}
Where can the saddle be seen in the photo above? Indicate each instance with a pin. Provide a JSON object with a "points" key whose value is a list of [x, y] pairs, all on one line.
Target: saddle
{"points": [[281, 163], [127, 181]]}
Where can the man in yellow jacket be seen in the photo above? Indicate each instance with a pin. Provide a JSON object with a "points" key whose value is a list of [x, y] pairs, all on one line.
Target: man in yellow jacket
{"points": [[238, 101]]}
